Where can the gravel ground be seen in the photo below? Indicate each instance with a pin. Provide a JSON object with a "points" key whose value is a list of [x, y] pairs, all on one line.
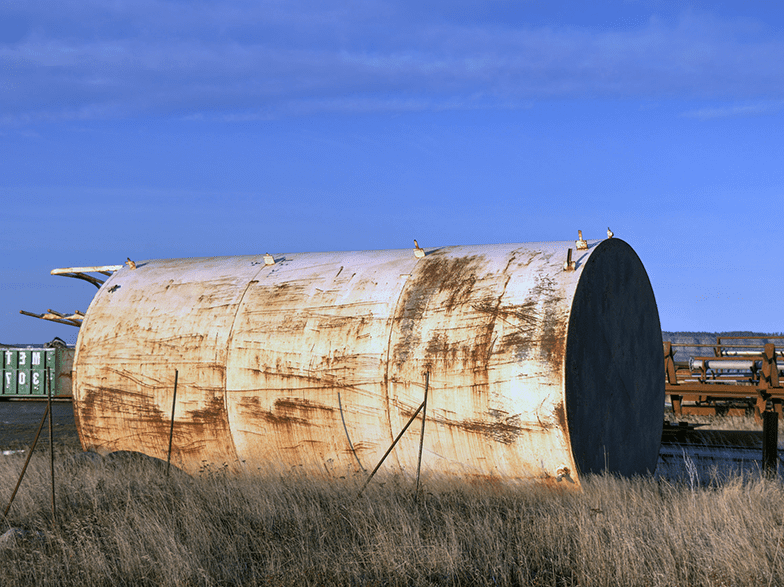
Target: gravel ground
{"points": [[20, 419]]}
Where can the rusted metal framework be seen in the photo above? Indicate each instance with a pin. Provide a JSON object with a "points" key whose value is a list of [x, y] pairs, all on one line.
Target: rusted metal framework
{"points": [[743, 375]]}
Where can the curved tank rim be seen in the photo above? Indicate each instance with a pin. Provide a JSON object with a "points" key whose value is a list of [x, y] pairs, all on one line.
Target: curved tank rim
{"points": [[428, 249], [597, 246]]}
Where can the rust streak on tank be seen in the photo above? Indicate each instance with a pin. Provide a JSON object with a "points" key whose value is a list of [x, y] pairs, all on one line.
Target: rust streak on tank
{"points": [[262, 351]]}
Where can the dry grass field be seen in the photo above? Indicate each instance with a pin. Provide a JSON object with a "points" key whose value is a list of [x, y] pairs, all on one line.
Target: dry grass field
{"points": [[121, 521]]}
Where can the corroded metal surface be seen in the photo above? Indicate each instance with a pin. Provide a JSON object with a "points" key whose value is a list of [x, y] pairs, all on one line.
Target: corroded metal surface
{"points": [[319, 359]]}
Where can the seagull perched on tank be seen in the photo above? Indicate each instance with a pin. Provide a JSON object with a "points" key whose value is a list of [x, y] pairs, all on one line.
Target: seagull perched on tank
{"points": [[130, 263], [609, 232], [419, 252]]}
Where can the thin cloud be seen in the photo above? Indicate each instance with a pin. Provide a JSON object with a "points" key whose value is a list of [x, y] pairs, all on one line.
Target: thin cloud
{"points": [[247, 60], [736, 111]]}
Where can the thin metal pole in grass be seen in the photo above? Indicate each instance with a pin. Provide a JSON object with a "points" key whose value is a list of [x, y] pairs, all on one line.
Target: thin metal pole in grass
{"points": [[27, 461], [47, 384], [389, 450], [171, 427], [422, 434], [345, 428]]}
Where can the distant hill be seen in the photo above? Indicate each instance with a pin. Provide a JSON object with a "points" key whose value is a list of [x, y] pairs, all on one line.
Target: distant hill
{"points": [[56, 342]]}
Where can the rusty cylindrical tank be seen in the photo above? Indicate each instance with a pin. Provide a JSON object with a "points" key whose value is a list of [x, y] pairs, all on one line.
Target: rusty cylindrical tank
{"points": [[318, 360]]}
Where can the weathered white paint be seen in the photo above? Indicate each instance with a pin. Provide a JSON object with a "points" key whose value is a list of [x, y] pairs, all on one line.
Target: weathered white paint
{"points": [[263, 350]]}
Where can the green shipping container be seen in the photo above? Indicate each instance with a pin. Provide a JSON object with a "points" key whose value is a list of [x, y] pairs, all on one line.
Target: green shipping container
{"points": [[24, 372], [9, 372]]}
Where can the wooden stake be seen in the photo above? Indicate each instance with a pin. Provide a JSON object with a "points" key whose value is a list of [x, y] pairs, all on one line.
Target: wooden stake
{"points": [[48, 384], [389, 450], [422, 434], [171, 428], [345, 428]]}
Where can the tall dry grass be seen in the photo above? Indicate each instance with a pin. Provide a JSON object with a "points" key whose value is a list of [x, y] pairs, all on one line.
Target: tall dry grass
{"points": [[122, 522]]}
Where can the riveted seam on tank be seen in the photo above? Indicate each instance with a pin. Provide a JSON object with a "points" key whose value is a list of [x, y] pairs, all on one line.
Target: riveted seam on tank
{"points": [[390, 329], [229, 344]]}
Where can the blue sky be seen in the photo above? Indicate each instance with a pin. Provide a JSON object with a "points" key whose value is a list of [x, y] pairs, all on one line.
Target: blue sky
{"points": [[158, 129]]}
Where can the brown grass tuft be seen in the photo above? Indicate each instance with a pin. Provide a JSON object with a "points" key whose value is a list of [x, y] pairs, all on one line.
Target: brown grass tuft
{"points": [[122, 522]]}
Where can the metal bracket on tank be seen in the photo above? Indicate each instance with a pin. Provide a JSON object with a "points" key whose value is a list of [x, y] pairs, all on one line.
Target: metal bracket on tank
{"points": [[77, 317], [580, 243], [74, 319], [569, 265], [81, 272], [563, 474]]}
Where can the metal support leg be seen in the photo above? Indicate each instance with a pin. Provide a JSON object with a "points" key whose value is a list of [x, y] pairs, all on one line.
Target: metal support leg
{"points": [[677, 407], [770, 439]]}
